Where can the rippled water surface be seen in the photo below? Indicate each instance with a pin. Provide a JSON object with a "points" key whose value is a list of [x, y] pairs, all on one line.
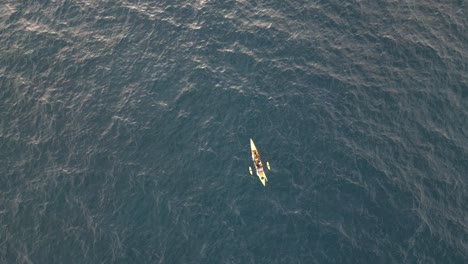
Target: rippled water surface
{"points": [[125, 127]]}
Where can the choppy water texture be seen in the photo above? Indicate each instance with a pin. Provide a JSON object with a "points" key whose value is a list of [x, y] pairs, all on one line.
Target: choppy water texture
{"points": [[125, 126]]}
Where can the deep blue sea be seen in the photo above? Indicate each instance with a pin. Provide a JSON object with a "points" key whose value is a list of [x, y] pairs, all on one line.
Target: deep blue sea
{"points": [[125, 128]]}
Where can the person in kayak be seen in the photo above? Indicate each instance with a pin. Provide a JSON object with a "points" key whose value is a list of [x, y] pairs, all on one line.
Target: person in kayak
{"points": [[257, 161]]}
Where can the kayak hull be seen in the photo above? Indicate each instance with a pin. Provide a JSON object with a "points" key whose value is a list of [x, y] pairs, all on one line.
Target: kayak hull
{"points": [[258, 163]]}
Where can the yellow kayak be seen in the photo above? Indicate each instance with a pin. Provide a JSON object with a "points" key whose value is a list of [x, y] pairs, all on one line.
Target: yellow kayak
{"points": [[258, 163]]}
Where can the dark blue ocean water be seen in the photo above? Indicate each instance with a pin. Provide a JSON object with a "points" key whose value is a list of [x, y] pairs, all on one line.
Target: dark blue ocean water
{"points": [[125, 127]]}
